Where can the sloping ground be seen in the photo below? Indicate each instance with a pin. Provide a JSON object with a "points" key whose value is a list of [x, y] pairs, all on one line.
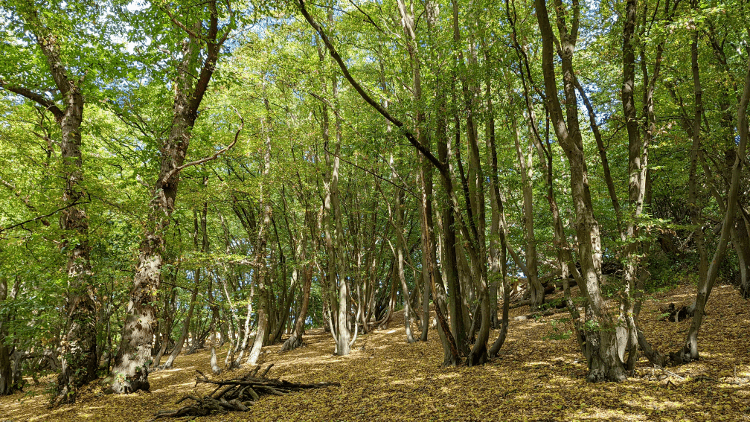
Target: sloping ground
{"points": [[535, 378]]}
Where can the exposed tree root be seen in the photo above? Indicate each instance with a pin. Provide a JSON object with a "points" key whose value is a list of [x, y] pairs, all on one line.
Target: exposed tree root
{"points": [[237, 394]]}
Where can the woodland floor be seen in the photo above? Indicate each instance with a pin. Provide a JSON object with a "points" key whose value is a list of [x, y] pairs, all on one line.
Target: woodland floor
{"points": [[535, 378]]}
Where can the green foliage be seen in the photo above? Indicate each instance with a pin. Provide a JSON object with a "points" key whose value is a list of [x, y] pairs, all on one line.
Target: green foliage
{"points": [[666, 272], [276, 80], [560, 329]]}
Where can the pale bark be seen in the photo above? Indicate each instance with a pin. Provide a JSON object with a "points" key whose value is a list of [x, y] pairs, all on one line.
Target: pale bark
{"points": [[130, 372], [210, 294], [564, 254], [397, 217], [185, 328], [451, 352], [527, 170], [79, 356], [242, 346], [408, 25], [262, 272], [166, 323]]}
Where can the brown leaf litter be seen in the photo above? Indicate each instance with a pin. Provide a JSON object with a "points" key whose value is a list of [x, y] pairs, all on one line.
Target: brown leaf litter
{"points": [[537, 377]]}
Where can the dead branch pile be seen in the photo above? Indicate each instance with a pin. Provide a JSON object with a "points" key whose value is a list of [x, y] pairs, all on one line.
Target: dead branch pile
{"points": [[237, 394]]}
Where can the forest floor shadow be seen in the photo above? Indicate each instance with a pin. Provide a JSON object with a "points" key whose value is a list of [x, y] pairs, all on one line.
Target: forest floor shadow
{"points": [[538, 376]]}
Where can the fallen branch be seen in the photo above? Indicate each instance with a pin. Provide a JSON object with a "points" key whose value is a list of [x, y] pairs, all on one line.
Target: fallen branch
{"points": [[533, 315], [237, 394]]}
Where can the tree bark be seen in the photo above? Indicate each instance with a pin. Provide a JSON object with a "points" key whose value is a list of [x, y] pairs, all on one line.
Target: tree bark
{"points": [[130, 372], [498, 260], [185, 329], [425, 177], [79, 356], [398, 256], [527, 170], [689, 351], [451, 351], [601, 343], [8, 384], [295, 340], [261, 255]]}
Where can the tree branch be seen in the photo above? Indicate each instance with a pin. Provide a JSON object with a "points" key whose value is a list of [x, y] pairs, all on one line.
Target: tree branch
{"points": [[209, 158], [40, 217], [442, 167], [33, 96], [182, 25]]}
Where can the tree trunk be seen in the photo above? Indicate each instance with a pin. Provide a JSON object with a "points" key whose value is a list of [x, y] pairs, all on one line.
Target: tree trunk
{"points": [[8, 384], [741, 242], [425, 176], [242, 346], [397, 219], [185, 327], [689, 351], [451, 352], [130, 372], [79, 356], [295, 340], [564, 256], [165, 325], [498, 260], [527, 170], [261, 255], [407, 22], [213, 329], [601, 343], [637, 157]]}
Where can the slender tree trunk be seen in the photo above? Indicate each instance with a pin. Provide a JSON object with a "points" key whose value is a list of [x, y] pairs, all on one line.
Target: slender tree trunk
{"points": [[637, 153], [213, 328], [263, 270], [741, 242], [601, 343], [230, 333], [527, 170], [497, 257], [407, 22], [564, 256], [185, 327], [397, 217], [689, 351], [8, 383], [295, 340], [165, 326], [451, 353], [246, 331], [693, 186]]}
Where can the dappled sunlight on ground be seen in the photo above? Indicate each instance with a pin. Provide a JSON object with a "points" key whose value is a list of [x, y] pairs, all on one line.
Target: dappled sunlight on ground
{"points": [[535, 377]]}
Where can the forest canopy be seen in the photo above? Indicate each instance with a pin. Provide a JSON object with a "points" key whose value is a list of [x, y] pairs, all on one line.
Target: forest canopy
{"points": [[181, 175]]}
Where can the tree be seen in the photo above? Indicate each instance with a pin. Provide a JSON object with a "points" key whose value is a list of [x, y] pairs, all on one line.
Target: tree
{"points": [[199, 55], [601, 343], [79, 354]]}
